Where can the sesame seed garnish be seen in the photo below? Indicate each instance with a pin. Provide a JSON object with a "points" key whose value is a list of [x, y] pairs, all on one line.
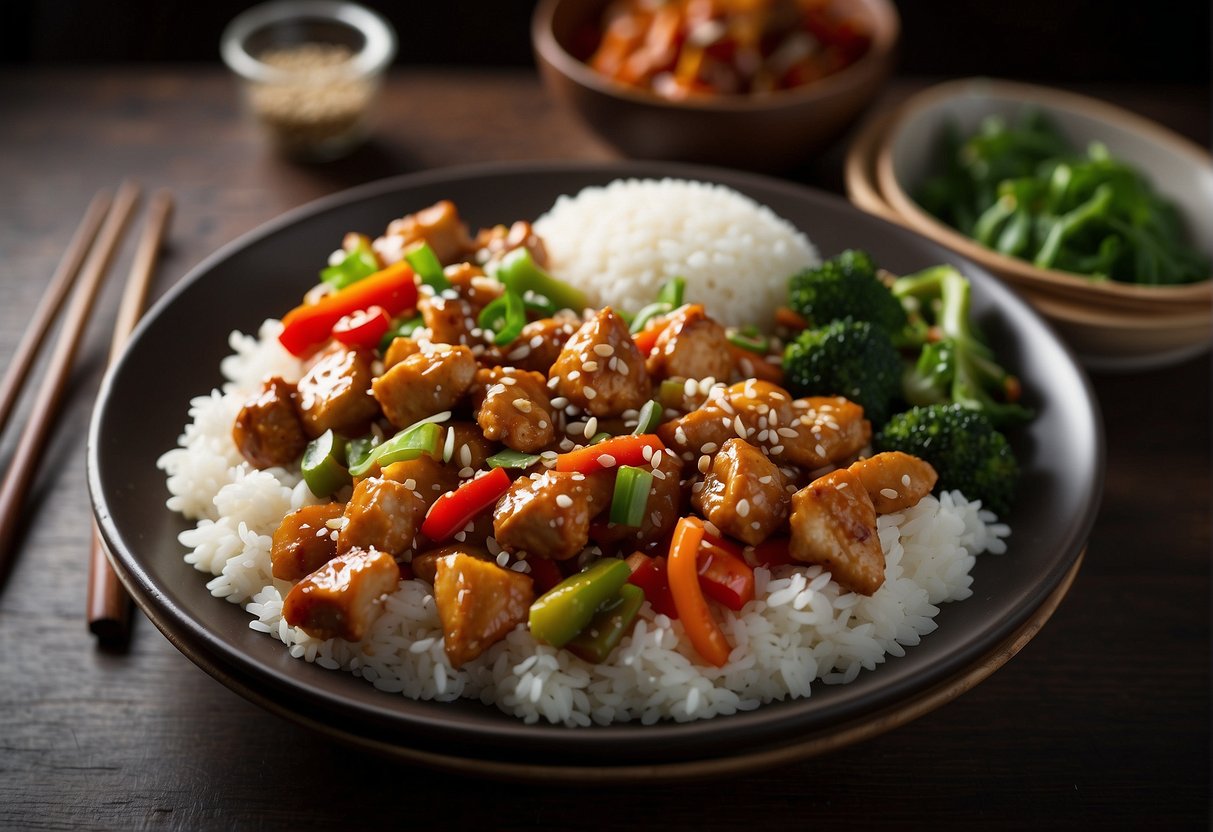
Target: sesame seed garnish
{"points": [[591, 427], [604, 349], [708, 448], [559, 402], [739, 426], [660, 475], [689, 387], [519, 354], [704, 462], [743, 507], [820, 450], [508, 380], [564, 501], [787, 433], [590, 366], [656, 460], [410, 484], [905, 480], [543, 423], [840, 486], [680, 435], [606, 461], [589, 392], [777, 449], [466, 472], [647, 452], [890, 493], [574, 375], [536, 342], [465, 455]]}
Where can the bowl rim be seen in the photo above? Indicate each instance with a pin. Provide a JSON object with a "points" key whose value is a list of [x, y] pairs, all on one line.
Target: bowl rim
{"points": [[885, 36], [376, 54], [918, 219]]}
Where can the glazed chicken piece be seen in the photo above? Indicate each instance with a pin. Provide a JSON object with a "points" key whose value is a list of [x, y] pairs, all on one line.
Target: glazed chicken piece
{"points": [[538, 345], [470, 448], [400, 348], [268, 430], [512, 407], [895, 480], [662, 511], [382, 514], [424, 384], [548, 515], [743, 493], [691, 345], [451, 316], [335, 393], [600, 370], [339, 600], [304, 541], [425, 564], [810, 433], [439, 225], [428, 477], [498, 241], [479, 603], [834, 524]]}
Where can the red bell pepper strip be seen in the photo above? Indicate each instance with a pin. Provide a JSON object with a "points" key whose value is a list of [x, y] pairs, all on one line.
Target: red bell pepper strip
{"points": [[455, 509], [703, 631], [393, 288], [363, 328], [649, 574], [610, 453], [545, 574], [724, 576]]}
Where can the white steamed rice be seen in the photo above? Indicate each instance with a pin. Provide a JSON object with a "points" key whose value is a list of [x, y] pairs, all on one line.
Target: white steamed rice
{"points": [[801, 629], [620, 242]]}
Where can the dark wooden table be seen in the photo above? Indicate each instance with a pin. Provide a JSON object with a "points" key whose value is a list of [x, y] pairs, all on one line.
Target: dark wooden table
{"points": [[1102, 719]]}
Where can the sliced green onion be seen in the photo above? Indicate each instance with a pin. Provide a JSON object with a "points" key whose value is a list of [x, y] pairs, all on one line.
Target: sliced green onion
{"points": [[631, 497], [400, 328], [519, 272], [671, 292], [512, 459], [505, 317], [423, 260], [748, 338], [323, 468], [535, 302], [359, 262], [409, 443], [649, 418], [648, 313], [357, 451]]}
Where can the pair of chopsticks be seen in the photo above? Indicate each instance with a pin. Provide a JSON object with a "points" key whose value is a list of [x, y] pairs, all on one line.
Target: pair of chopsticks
{"points": [[81, 272]]}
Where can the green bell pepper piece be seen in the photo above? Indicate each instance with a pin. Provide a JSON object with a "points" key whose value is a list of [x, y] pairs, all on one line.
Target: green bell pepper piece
{"points": [[564, 611], [610, 624], [323, 464]]}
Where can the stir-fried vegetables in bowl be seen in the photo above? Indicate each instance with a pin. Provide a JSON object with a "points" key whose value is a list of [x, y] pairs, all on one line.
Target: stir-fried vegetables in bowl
{"points": [[520, 487]]}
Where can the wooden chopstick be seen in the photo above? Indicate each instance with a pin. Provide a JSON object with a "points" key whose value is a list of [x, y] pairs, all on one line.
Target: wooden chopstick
{"points": [[29, 449], [109, 607], [60, 284]]}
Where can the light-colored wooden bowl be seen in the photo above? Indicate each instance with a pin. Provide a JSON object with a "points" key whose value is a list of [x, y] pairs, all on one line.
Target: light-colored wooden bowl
{"points": [[1179, 170]]}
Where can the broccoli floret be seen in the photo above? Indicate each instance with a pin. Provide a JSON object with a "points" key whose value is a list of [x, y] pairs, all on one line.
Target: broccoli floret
{"points": [[855, 359], [965, 448], [954, 365], [846, 286]]}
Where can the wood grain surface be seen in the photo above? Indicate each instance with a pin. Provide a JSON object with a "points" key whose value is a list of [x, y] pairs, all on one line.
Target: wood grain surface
{"points": [[1103, 719]]}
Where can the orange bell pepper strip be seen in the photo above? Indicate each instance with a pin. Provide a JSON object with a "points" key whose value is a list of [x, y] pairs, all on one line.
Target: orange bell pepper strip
{"points": [[306, 326], [610, 453], [683, 568]]}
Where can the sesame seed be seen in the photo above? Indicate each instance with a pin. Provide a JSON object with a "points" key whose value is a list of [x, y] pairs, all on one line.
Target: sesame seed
{"points": [[410, 484], [604, 349], [820, 449], [647, 452], [905, 480], [743, 507], [708, 447], [689, 387], [765, 480], [680, 435], [522, 405], [613, 363], [840, 486], [704, 462], [559, 402], [465, 472], [606, 461], [519, 354], [537, 342], [508, 380], [591, 427], [564, 501], [465, 456], [574, 375], [589, 392], [739, 426], [660, 475], [787, 433], [777, 449], [461, 536], [890, 493], [590, 366], [543, 423], [656, 460]]}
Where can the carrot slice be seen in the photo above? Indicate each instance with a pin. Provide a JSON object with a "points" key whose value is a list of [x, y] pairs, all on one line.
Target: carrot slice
{"points": [[683, 567], [610, 453]]}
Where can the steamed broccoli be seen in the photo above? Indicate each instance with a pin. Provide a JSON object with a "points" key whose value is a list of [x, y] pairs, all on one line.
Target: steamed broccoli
{"points": [[954, 365], [964, 447], [846, 286], [855, 359]]}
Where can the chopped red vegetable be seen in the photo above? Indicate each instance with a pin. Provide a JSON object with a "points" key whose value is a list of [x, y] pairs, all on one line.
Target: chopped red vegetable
{"points": [[306, 326], [363, 328], [611, 453], [545, 574], [773, 551], [455, 509], [701, 628], [649, 573], [724, 576]]}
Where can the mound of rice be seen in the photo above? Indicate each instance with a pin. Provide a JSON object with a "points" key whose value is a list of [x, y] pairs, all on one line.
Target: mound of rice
{"points": [[801, 629], [620, 242]]}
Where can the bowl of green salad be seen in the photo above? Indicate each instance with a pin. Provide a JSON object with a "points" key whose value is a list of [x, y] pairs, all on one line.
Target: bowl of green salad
{"points": [[1096, 215]]}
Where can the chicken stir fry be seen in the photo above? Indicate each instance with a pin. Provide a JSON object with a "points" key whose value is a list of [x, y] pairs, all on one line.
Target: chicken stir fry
{"points": [[466, 421]]}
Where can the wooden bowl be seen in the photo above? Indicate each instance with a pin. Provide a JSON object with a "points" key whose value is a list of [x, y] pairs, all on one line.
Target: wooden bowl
{"points": [[1110, 327], [1179, 169], [755, 132]]}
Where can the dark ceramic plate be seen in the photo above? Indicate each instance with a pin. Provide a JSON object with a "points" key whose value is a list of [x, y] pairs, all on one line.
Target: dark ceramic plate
{"points": [[264, 273]]}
